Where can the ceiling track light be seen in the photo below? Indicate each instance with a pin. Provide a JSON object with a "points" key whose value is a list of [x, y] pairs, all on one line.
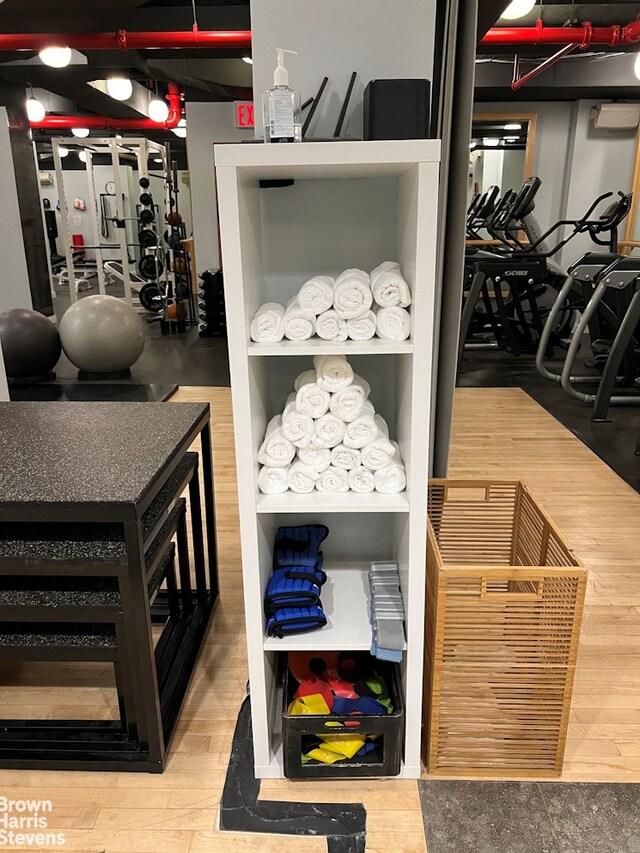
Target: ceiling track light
{"points": [[180, 130], [35, 108], [157, 109], [119, 88], [517, 9], [55, 57]]}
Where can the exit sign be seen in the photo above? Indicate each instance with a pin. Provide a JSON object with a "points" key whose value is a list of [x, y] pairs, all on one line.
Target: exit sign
{"points": [[244, 114]]}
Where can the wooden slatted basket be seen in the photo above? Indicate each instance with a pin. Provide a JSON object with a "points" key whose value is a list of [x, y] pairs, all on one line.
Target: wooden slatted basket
{"points": [[505, 596]]}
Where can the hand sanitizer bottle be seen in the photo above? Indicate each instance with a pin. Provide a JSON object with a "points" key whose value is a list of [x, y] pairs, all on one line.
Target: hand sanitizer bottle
{"points": [[281, 106]]}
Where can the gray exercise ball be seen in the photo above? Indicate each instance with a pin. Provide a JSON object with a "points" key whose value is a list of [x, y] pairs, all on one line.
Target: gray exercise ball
{"points": [[102, 334], [30, 343]]}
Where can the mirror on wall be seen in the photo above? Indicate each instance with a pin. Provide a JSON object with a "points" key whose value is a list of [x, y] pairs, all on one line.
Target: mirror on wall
{"points": [[500, 151]]}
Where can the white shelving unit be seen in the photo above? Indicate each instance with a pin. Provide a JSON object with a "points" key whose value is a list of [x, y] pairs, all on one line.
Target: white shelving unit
{"points": [[352, 204]]}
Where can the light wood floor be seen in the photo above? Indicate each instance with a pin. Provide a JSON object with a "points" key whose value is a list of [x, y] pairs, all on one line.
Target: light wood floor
{"points": [[500, 433]]}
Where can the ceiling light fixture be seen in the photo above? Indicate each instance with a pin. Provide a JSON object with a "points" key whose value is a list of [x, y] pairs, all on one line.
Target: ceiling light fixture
{"points": [[514, 126], [248, 60], [511, 139], [82, 155], [180, 129], [636, 66], [490, 142], [157, 110], [120, 88], [518, 9], [56, 57], [80, 132], [62, 151], [35, 108]]}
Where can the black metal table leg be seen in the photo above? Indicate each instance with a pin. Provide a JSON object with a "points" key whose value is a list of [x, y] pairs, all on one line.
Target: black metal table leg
{"points": [[209, 508], [142, 641], [184, 567], [196, 535]]}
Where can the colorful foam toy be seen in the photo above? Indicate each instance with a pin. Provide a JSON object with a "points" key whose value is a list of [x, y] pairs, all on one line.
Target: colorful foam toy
{"points": [[325, 688]]}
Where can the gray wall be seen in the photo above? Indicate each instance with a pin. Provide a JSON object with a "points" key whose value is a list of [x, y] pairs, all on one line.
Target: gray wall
{"points": [[14, 288], [376, 38], [575, 161], [207, 124]]}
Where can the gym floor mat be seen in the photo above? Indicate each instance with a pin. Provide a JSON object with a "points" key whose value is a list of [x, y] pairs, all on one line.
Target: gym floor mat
{"points": [[530, 817]]}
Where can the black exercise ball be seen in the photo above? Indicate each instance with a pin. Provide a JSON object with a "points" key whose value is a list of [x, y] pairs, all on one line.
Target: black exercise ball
{"points": [[145, 198], [30, 343], [144, 183]]}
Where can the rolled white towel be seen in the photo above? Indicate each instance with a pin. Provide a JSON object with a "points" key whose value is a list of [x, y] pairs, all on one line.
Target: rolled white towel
{"points": [[393, 324], [392, 478], [360, 432], [368, 409], [379, 452], [382, 425], [267, 326], [276, 451], [310, 399], [307, 377], [299, 323], [389, 287], [347, 404], [273, 481], [330, 431], [345, 458], [301, 478], [362, 328], [333, 480], [298, 428], [334, 373], [318, 458], [361, 480], [352, 295], [317, 294], [362, 385], [331, 327]]}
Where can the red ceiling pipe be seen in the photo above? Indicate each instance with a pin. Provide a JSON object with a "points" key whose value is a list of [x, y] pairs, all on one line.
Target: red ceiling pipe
{"points": [[584, 35], [125, 40], [66, 122]]}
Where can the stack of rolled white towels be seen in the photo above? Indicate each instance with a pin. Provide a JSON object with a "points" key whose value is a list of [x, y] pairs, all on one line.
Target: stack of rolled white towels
{"points": [[329, 437], [356, 306]]}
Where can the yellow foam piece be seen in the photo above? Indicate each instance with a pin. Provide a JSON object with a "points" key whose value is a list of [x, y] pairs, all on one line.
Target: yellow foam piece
{"points": [[312, 704]]}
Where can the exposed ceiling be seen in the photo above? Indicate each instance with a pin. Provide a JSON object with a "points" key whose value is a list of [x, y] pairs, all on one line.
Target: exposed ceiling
{"points": [[600, 71], [206, 75]]}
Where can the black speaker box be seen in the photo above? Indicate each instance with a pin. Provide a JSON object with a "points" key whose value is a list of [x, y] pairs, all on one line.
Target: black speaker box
{"points": [[397, 109]]}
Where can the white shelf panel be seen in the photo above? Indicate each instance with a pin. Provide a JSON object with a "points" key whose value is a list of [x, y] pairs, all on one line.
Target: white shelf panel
{"points": [[325, 502], [316, 346], [345, 601], [329, 159]]}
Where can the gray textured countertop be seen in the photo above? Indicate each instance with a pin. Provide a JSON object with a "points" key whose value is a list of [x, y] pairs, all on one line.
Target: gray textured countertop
{"points": [[97, 453]]}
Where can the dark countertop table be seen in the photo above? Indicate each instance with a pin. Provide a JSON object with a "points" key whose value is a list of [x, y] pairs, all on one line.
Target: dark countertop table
{"points": [[90, 461]]}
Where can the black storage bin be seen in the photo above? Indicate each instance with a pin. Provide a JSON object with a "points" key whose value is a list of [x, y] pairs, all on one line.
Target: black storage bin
{"points": [[383, 761], [396, 109]]}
